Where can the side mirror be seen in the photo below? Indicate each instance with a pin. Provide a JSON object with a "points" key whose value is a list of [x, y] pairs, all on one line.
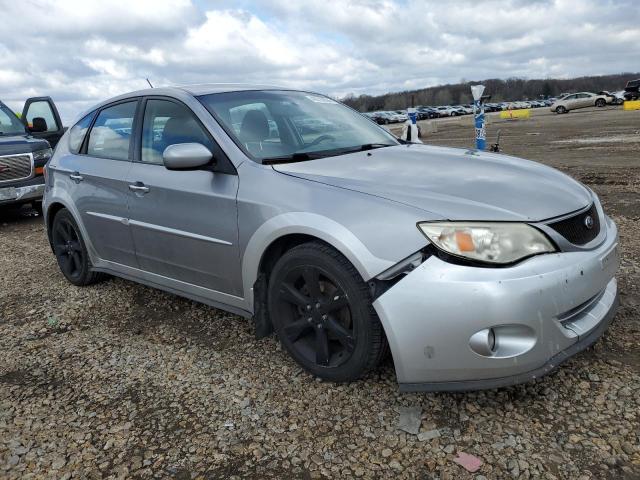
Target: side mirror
{"points": [[186, 156], [38, 125]]}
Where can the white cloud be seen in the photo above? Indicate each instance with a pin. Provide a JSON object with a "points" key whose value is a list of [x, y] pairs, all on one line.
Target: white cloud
{"points": [[81, 52]]}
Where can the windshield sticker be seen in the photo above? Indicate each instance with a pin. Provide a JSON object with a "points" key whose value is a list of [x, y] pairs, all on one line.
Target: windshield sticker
{"points": [[321, 99]]}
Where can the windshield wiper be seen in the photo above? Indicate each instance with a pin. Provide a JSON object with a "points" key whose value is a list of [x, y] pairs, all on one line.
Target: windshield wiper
{"points": [[304, 156], [294, 157], [371, 146]]}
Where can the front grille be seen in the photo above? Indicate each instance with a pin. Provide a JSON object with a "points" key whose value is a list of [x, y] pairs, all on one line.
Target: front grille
{"points": [[15, 167], [575, 228]]}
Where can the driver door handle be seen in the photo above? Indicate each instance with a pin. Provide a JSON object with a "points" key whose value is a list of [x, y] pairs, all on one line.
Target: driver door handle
{"points": [[139, 187], [76, 177]]}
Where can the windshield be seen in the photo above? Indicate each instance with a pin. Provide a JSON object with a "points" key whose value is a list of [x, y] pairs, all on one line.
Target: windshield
{"points": [[9, 123], [276, 125]]}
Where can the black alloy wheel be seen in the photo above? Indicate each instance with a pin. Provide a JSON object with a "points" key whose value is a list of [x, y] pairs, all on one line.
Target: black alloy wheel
{"points": [[317, 316], [70, 250], [321, 310]]}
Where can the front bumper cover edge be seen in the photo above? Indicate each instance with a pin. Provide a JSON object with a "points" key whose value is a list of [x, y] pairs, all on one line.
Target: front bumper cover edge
{"points": [[552, 364]]}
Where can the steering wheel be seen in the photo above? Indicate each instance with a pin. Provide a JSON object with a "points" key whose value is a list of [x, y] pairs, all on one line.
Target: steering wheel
{"points": [[320, 139]]}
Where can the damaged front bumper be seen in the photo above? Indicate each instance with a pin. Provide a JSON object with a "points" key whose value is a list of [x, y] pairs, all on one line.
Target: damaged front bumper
{"points": [[30, 190], [453, 327]]}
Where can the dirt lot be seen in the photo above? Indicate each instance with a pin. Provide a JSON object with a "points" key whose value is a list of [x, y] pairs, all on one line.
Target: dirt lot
{"points": [[121, 380]]}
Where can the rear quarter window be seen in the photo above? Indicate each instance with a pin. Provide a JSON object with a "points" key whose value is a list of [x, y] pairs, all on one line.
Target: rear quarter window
{"points": [[78, 132]]}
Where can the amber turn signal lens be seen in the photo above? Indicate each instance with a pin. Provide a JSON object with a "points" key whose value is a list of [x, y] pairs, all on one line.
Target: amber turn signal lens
{"points": [[39, 170], [465, 242]]}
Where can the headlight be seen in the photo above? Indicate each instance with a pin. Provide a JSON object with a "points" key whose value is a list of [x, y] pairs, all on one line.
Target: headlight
{"points": [[40, 155], [498, 243]]}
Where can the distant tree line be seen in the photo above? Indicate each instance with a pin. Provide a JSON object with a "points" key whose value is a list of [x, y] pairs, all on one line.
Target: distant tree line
{"points": [[511, 89]]}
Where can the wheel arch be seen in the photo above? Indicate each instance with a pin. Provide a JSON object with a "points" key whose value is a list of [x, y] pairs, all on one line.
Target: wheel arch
{"points": [[50, 214], [53, 206], [287, 230]]}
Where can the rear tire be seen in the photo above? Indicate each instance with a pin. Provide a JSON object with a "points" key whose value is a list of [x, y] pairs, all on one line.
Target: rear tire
{"points": [[321, 310], [71, 251]]}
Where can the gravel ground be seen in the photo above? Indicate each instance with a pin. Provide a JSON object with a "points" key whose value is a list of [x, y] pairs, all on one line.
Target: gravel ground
{"points": [[120, 380]]}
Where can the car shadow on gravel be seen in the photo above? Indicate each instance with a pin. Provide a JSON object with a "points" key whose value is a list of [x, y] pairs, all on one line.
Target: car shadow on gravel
{"points": [[162, 317], [31, 383], [20, 214]]}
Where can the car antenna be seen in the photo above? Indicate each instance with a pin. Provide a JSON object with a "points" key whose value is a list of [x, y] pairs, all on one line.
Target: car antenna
{"points": [[149, 82]]}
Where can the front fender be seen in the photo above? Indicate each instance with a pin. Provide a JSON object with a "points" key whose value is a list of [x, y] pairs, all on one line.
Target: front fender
{"points": [[326, 229]]}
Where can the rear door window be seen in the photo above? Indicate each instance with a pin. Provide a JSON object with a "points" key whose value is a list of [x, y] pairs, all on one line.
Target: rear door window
{"points": [[111, 134]]}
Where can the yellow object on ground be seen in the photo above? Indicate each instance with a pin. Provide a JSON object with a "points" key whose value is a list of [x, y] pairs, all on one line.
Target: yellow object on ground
{"points": [[515, 114], [631, 105]]}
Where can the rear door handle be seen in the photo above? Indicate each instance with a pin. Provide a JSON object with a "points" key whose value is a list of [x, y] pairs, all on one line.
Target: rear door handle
{"points": [[76, 177], [139, 187]]}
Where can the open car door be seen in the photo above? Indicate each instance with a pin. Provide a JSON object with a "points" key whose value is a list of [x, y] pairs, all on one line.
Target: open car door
{"points": [[42, 119]]}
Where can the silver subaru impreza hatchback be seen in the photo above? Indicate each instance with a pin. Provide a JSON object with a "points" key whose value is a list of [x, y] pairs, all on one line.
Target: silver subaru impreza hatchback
{"points": [[476, 270]]}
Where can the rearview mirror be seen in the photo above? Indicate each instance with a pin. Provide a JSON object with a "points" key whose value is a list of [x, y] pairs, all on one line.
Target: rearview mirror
{"points": [[186, 156], [38, 124]]}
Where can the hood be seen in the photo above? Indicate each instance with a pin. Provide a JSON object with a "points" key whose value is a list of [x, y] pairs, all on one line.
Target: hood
{"points": [[16, 144], [451, 183]]}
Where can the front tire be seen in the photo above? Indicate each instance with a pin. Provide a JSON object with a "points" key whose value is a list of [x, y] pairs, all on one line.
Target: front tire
{"points": [[71, 251], [560, 109], [600, 103], [321, 310]]}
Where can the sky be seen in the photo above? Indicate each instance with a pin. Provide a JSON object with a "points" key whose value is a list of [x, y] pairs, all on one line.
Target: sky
{"points": [[81, 52]]}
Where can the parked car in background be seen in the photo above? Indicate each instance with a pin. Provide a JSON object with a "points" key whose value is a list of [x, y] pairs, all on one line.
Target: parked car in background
{"points": [[518, 105], [422, 115], [25, 146], [632, 90], [430, 112], [578, 100], [492, 107], [475, 273], [384, 118], [614, 98], [401, 115], [425, 113], [619, 97], [450, 111], [371, 116], [444, 111]]}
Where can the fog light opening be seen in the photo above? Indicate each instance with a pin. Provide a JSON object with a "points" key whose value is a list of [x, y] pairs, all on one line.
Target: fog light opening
{"points": [[503, 341]]}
